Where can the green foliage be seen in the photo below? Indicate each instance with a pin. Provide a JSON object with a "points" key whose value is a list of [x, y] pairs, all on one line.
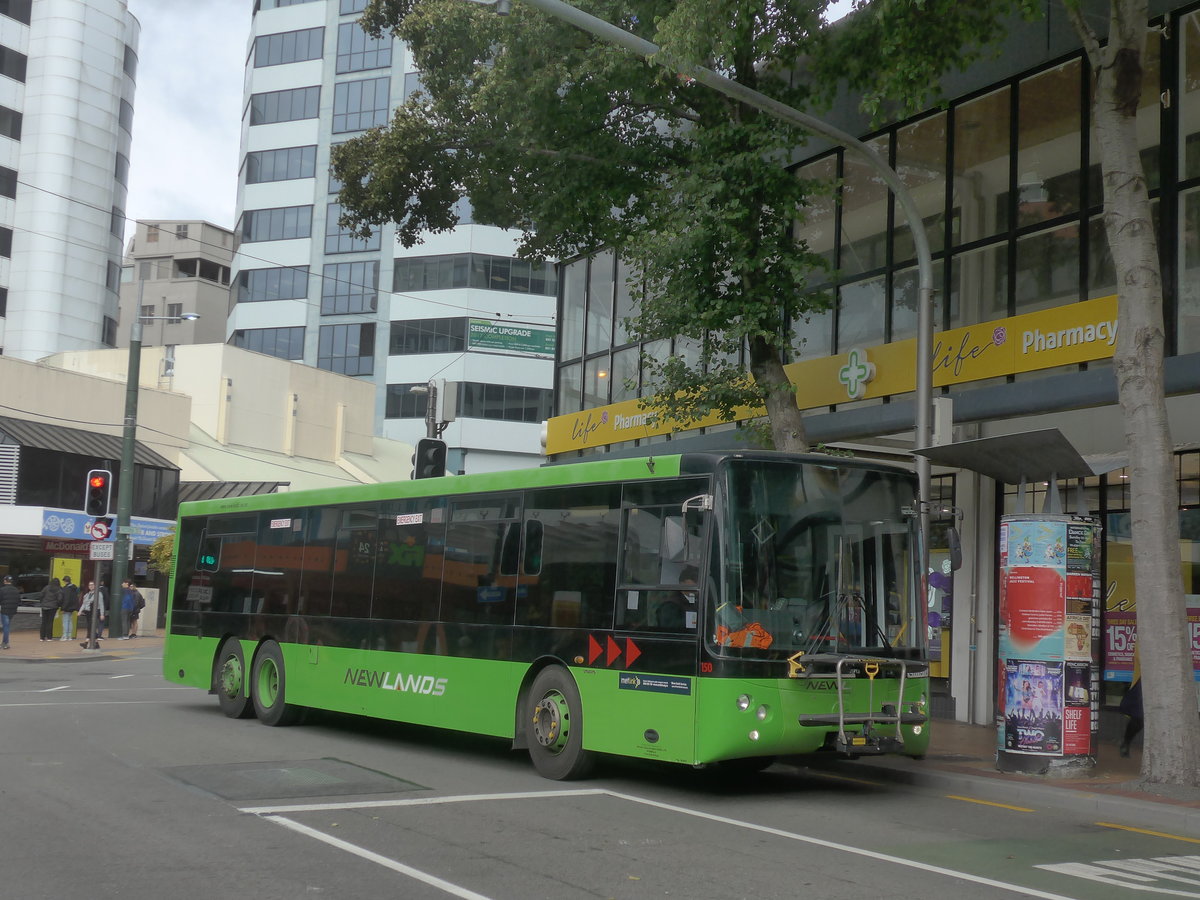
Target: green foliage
{"points": [[162, 554]]}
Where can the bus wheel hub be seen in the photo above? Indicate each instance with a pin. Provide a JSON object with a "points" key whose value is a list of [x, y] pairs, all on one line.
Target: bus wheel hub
{"points": [[231, 678], [551, 721]]}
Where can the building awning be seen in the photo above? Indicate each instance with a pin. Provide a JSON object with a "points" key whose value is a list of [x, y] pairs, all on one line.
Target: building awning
{"points": [[218, 490], [1032, 455], [45, 436]]}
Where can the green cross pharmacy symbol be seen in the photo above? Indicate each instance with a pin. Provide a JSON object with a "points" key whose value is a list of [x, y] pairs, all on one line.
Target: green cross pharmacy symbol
{"points": [[857, 372]]}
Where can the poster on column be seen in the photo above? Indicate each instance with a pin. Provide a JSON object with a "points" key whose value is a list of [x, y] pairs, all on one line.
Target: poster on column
{"points": [[1033, 708], [1046, 634]]}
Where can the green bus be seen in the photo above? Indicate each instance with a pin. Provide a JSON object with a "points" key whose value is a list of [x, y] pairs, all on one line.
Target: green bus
{"points": [[708, 607]]}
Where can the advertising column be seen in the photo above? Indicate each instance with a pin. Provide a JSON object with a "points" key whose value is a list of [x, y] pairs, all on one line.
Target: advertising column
{"points": [[1047, 677]]}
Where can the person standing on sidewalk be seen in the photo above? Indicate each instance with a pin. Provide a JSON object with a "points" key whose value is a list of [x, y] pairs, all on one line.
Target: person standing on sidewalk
{"points": [[70, 605], [51, 601], [94, 598], [131, 606], [10, 600], [1131, 706]]}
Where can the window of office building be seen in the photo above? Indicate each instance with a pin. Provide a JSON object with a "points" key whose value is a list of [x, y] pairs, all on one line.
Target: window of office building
{"points": [[125, 116], [350, 288], [401, 403], [428, 336], [285, 283], [8, 182], [460, 270], [281, 165], [359, 105], [121, 169], [181, 231], [282, 224], [174, 312], [865, 199], [130, 62], [17, 9], [156, 269], [13, 64], [285, 106], [112, 276], [288, 47], [347, 349], [116, 222], [349, 7], [273, 4], [343, 240], [284, 343], [10, 123], [358, 51], [498, 402]]}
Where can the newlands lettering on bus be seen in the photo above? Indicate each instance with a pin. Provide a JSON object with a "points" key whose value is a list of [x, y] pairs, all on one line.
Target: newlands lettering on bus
{"points": [[415, 684]]}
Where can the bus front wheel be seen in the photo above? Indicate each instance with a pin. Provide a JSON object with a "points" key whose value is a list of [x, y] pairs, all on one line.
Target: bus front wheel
{"points": [[268, 688], [229, 681], [554, 726]]}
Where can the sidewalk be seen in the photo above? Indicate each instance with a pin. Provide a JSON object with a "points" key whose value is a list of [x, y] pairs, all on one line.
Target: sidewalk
{"points": [[25, 646]]}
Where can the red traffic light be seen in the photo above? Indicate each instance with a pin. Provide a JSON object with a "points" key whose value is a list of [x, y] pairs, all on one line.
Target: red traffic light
{"points": [[96, 498], [97, 480]]}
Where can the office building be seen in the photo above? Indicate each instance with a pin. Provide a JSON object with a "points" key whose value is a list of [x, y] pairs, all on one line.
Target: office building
{"points": [[67, 73], [458, 310]]}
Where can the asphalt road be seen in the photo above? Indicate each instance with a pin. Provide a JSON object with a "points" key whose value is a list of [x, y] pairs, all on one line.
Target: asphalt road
{"points": [[117, 784]]}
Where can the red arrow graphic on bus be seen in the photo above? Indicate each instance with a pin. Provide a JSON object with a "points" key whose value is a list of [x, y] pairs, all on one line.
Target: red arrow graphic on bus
{"points": [[614, 650], [594, 649], [632, 651]]}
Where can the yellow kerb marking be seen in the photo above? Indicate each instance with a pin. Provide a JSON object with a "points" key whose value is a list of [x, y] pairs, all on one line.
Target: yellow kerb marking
{"points": [[1161, 834], [989, 803]]}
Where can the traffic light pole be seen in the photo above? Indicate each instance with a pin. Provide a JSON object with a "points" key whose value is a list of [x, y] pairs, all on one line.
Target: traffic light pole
{"points": [[120, 565]]}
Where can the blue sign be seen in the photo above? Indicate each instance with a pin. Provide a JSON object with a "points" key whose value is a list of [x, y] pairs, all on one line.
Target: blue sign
{"points": [[77, 526]]}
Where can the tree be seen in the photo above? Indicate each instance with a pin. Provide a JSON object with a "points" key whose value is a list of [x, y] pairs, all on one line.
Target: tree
{"points": [[162, 554], [579, 146]]}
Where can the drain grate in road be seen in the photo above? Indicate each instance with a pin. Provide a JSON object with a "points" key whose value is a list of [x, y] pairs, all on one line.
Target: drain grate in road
{"points": [[241, 782]]}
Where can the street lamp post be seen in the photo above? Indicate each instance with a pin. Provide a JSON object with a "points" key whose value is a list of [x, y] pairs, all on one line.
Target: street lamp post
{"points": [[924, 361], [120, 566]]}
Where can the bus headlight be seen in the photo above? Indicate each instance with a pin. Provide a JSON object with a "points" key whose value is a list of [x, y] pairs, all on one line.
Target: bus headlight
{"points": [[916, 729], [744, 701]]}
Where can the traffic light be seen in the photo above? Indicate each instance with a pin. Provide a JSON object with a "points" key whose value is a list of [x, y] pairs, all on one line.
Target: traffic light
{"points": [[430, 459], [96, 494], [208, 558]]}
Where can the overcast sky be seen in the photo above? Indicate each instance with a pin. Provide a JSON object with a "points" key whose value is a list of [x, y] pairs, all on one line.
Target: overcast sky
{"points": [[187, 109]]}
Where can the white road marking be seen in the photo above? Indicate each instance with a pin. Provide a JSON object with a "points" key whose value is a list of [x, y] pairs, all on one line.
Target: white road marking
{"points": [[1145, 875], [270, 813], [61, 687], [387, 862], [126, 675]]}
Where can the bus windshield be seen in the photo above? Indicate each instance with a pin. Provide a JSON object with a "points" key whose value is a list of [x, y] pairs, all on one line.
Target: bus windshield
{"points": [[812, 558]]}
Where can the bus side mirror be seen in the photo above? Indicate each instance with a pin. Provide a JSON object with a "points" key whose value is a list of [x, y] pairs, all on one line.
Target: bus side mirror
{"points": [[954, 542]]}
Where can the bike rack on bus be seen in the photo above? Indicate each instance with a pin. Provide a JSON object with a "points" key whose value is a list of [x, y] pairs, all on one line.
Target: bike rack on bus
{"points": [[848, 668]]}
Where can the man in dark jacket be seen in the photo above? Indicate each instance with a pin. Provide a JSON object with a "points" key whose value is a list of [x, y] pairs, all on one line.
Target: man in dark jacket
{"points": [[70, 606], [51, 601], [10, 599]]}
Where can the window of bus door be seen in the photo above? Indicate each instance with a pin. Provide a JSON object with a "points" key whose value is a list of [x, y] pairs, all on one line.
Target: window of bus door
{"points": [[660, 558]]}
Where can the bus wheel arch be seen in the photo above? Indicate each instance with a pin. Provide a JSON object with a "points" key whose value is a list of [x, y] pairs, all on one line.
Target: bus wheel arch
{"points": [[520, 736], [554, 725], [268, 687], [231, 679]]}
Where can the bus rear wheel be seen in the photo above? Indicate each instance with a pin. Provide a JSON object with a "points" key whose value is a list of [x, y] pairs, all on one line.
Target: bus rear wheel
{"points": [[229, 680], [554, 726], [268, 688]]}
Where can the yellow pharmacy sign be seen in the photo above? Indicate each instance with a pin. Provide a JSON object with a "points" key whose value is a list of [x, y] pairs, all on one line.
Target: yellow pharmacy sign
{"points": [[1064, 335]]}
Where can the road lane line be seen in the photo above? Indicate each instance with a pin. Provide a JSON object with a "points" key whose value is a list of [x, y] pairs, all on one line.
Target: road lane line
{"points": [[420, 801], [989, 803], [126, 675], [386, 862], [1161, 834], [845, 848], [61, 687]]}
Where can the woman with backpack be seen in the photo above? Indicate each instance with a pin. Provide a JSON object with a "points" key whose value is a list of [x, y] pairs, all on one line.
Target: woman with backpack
{"points": [[50, 602]]}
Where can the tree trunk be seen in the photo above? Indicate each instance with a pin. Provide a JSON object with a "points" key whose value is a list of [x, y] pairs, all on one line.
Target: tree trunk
{"points": [[1172, 737], [787, 425]]}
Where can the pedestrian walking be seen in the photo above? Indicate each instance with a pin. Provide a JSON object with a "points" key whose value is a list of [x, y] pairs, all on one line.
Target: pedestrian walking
{"points": [[70, 606], [91, 611], [1131, 706], [132, 604], [10, 600], [50, 603]]}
